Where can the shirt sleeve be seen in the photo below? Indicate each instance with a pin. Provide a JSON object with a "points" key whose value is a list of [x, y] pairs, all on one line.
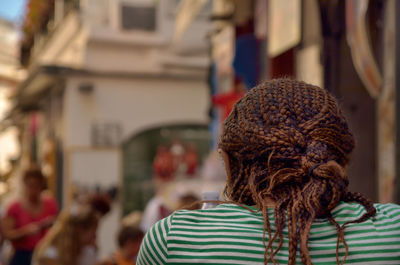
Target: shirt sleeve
{"points": [[154, 248], [388, 214], [12, 211]]}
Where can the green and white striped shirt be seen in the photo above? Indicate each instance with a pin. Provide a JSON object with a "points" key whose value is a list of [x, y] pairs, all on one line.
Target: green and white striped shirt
{"points": [[230, 234]]}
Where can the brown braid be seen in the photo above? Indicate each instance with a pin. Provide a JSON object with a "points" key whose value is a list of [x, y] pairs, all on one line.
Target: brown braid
{"points": [[288, 142]]}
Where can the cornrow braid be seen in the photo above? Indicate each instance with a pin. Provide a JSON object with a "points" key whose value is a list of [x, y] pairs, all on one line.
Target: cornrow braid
{"points": [[288, 142]]}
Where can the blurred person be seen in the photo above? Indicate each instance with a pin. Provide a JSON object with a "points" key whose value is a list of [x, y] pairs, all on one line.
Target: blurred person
{"points": [[28, 218], [129, 240], [178, 151], [99, 202], [191, 159], [285, 146], [188, 201], [72, 239], [155, 210], [132, 219], [164, 166]]}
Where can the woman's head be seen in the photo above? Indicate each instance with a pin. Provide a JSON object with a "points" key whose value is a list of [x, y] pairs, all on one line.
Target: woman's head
{"points": [[100, 203], [34, 184], [129, 239], [83, 223], [74, 229], [287, 141], [291, 125]]}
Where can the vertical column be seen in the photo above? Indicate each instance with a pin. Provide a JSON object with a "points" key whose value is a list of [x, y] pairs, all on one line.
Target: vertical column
{"points": [[386, 111], [396, 47]]}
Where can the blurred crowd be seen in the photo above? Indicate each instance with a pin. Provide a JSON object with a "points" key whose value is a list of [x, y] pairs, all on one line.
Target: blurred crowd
{"points": [[35, 231]]}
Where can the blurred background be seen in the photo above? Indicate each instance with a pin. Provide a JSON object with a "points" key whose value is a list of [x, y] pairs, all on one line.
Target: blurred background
{"points": [[126, 97]]}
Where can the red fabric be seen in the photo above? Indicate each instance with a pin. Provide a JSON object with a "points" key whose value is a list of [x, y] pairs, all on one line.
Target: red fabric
{"points": [[22, 218], [192, 161], [163, 165], [226, 101]]}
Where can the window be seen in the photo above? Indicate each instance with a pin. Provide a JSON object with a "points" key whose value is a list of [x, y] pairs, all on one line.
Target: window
{"points": [[138, 17]]}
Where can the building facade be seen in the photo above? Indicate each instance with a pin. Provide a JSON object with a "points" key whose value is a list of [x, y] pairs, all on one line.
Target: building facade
{"points": [[101, 72], [10, 76]]}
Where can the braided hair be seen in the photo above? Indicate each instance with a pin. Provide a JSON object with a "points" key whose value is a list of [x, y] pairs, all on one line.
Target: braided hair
{"points": [[287, 141]]}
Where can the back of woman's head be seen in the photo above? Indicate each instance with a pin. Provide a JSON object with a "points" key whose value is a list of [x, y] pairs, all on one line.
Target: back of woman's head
{"points": [[129, 234], [83, 217], [288, 142], [67, 233]]}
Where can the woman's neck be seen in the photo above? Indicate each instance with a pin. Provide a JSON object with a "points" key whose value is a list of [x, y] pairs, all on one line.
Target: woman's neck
{"points": [[34, 202], [270, 203], [34, 206]]}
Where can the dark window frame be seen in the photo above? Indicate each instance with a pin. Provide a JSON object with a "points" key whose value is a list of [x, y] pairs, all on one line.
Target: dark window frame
{"points": [[134, 17]]}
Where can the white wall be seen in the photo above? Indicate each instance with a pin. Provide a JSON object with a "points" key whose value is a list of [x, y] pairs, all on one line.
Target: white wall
{"points": [[85, 171], [110, 48], [117, 57], [104, 20], [136, 104]]}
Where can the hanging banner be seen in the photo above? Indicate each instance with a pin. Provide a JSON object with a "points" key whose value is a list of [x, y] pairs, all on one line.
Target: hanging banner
{"points": [[223, 50], [261, 19], [361, 52], [284, 25]]}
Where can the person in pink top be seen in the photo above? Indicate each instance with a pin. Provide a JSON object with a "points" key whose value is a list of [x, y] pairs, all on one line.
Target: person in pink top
{"points": [[28, 218]]}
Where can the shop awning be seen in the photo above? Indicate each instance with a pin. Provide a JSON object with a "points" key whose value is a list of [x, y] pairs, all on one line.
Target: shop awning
{"points": [[29, 93], [39, 80]]}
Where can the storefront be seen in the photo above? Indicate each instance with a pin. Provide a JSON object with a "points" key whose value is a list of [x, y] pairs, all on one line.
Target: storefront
{"points": [[344, 46]]}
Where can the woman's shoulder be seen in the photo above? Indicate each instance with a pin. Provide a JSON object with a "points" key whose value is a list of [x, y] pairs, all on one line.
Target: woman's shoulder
{"points": [[49, 202], [16, 203], [48, 198], [221, 212], [221, 209], [14, 206], [225, 213], [357, 208], [389, 210]]}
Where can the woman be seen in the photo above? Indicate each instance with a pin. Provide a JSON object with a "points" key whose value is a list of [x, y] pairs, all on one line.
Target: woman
{"points": [[28, 218], [72, 240], [285, 145]]}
